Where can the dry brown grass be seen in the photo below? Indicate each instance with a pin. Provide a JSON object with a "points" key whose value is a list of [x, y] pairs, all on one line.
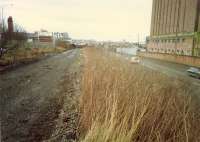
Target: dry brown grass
{"points": [[27, 54], [127, 103]]}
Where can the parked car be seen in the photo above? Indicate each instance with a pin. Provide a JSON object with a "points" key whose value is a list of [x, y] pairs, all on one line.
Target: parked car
{"points": [[194, 72], [135, 60]]}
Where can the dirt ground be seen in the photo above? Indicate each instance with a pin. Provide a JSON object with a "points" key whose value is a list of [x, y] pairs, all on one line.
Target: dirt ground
{"points": [[39, 101]]}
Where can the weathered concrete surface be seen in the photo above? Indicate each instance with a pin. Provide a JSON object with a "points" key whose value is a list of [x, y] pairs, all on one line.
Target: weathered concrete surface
{"points": [[187, 60]]}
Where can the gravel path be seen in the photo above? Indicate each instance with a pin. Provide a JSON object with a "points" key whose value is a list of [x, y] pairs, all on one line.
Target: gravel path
{"points": [[32, 97]]}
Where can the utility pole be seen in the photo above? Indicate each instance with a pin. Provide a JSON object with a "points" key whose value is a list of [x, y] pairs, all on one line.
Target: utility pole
{"points": [[196, 32], [2, 19], [177, 24], [54, 39], [138, 40]]}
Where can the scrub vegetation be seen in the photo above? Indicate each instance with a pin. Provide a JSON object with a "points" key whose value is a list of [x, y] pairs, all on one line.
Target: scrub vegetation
{"points": [[122, 102], [23, 55]]}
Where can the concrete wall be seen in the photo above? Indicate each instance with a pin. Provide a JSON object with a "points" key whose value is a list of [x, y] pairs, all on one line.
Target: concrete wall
{"points": [[153, 17], [171, 20], [183, 46], [187, 60], [172, 16]]}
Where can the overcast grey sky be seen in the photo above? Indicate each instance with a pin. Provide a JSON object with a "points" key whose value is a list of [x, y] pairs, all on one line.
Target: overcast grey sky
{"points": [[87, 19]]}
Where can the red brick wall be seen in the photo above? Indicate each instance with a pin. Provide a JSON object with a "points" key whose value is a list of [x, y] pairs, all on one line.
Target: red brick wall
{"points": [[10, 25], [45, 39]]}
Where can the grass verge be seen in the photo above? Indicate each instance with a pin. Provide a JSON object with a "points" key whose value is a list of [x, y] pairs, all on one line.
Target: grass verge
{"points": [[21, 55], [121, 102]]}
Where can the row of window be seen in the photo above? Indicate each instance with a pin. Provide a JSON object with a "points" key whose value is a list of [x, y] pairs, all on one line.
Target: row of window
{"points": [[178, 51], [168, 40]]}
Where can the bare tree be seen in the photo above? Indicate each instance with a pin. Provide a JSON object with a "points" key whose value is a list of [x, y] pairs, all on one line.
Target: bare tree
{"points": [[12, 40]]}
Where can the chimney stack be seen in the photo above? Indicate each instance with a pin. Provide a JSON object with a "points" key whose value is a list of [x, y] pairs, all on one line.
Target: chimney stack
{"points": [[10, 25]]}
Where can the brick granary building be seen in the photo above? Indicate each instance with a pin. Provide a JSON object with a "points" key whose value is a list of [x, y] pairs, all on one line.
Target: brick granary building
{"points": [[175, 27]]}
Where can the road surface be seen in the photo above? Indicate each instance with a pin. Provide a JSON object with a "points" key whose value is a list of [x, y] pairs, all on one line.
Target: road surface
{"points": [[172, 70], [31, 97]]}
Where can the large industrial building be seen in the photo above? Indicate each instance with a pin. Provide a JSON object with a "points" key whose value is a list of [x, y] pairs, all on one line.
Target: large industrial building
{"points": [[175, 27]]}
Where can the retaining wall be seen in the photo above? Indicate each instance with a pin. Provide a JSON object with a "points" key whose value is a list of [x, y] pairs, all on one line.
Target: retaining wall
{"points": [[187, 60]]}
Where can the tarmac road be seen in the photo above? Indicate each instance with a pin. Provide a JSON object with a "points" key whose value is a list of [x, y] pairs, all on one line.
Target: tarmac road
{"points": [[31, 97], [172, 70]]}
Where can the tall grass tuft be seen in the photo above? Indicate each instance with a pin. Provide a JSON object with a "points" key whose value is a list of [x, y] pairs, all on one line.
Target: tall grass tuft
{"points": [[121, 102]]}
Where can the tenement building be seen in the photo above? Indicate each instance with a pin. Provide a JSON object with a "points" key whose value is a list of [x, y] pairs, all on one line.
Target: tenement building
{"points": [[175, 27]]}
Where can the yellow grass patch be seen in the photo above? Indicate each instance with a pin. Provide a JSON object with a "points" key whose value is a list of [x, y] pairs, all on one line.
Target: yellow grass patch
{"points": [[27, 54], [121, 102]]}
